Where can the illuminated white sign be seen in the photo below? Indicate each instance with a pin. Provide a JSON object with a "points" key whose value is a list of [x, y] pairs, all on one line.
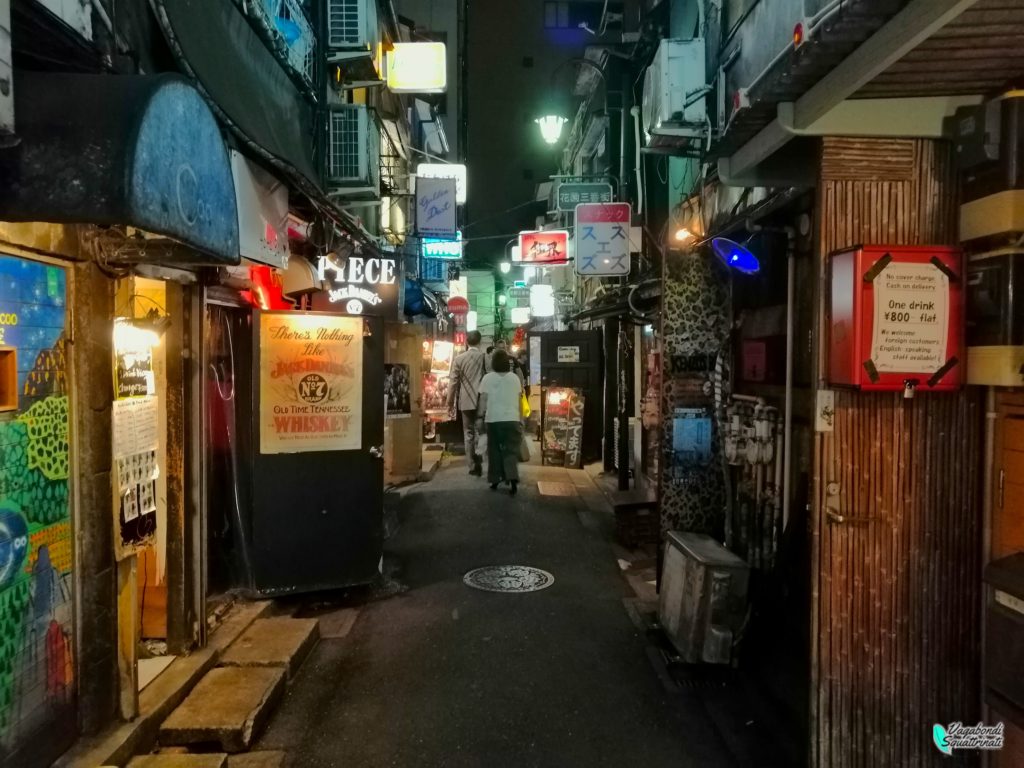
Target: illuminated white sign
{"points": [[520, 315], [542, 301], [417, 68], [455, 171]]}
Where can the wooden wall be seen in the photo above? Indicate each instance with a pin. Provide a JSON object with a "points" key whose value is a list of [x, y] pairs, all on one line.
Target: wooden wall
{"points": [[895, 600]]}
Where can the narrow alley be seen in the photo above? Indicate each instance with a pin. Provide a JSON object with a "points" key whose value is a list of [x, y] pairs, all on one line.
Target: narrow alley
{"points": [[446, 675]]}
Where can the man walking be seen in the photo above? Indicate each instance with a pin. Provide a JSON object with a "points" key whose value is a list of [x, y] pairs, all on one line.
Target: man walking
{"points": [[467, 371]]}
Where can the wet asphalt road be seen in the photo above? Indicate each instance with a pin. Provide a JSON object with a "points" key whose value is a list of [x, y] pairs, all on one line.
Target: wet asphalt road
{"points": [[445, 675]]}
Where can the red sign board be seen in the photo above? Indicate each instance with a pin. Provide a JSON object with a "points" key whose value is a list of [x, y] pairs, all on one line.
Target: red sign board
{"points": [[544, 247], [459, 338], [896, 320], [458, 305]]}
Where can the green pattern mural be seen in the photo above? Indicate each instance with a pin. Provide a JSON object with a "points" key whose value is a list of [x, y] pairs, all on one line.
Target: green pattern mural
{"points": [[36, 541]]}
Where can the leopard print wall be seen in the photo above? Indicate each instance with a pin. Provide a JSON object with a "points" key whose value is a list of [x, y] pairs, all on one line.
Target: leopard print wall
{"points": [[695, 321]]}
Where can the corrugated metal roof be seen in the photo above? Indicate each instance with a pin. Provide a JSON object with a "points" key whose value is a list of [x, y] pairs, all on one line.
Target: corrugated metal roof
{"points": [[980, 52]]}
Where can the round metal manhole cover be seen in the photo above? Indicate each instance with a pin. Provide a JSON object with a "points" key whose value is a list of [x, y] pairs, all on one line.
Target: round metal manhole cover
{"points": [[509, 578]]}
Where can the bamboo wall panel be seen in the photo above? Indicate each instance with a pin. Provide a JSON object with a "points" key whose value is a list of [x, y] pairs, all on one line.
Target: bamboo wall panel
{"points": [[895, 597]]}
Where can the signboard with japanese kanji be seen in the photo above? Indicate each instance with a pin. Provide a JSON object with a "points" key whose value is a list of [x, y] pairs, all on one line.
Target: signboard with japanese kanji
{"points": [[602, 238], [572, 193], [544, 247]]}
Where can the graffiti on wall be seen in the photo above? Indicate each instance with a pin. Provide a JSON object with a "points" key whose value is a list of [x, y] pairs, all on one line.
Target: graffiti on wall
{"points": [[36, 660], [696, 315]]}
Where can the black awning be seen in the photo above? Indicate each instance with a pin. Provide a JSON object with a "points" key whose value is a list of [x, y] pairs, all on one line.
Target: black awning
{"points": [[143, 151], [243, 80]]}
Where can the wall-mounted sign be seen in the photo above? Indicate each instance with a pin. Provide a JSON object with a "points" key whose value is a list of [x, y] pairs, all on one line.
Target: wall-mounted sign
{"points": [[441, 359], [571, 193], [602, 238], [262, 213], [569, 354], [434, 248], [311, 383], [519, 315], [455, 171], [359, 285], [436, 207], [544, 247], [417, 68]]}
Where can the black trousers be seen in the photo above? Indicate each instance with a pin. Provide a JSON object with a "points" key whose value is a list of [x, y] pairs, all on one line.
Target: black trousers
{"points": [[503, 438]]}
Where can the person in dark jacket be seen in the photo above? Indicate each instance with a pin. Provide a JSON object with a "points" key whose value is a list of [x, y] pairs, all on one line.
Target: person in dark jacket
{"points": [[467, 372]]}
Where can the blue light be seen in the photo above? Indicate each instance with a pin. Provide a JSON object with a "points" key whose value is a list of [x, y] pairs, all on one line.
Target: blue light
{"points": [[735, 255]]}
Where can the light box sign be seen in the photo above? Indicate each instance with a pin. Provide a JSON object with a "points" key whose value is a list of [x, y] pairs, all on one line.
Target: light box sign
{"points": [[455, 171], [435, 248], [417, 68], [359, 285], [544, 247], [436, 208], [311, 383]]}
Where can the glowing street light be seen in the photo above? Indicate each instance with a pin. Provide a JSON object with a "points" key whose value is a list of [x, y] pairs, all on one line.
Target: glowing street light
{"points": [[505, 267], [551, 127]]}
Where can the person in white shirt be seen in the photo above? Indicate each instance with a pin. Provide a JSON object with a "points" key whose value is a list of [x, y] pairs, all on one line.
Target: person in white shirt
{"points": [[498, 406]]}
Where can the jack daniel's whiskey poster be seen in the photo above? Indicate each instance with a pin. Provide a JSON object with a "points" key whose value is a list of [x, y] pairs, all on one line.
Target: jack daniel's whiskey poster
{"points": [[311, 383]]}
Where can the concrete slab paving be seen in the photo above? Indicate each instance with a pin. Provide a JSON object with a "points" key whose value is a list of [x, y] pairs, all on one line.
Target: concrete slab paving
{"points": [[277, 642], [179, 761], [228, 707], [267, 759]]}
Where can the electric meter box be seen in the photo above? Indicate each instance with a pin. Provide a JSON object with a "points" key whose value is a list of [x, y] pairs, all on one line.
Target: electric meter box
{"points": [[896, 318]]}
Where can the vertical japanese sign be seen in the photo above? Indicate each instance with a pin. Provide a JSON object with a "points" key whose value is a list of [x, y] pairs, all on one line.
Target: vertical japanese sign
{"points": [[436, 208], [311, 383], [602, 238]]}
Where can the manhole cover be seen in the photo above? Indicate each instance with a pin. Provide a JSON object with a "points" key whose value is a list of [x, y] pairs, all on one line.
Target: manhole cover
{"points": [[508, 578], [556, 489]]}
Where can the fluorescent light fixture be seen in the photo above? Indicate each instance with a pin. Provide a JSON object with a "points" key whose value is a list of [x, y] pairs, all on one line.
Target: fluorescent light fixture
{"points": [[736, 256], [455, 171], [471, 320], [520, 315], [505, 267], [417, 68], [551, 127]]}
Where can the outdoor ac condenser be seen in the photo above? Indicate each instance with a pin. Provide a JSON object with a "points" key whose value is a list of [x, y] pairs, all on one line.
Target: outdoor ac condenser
{"points": [[674, 110], [703, 598]]}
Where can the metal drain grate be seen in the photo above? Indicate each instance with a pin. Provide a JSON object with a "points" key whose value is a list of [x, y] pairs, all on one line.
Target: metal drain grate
{"points": [[508, 578], [556, 489]]}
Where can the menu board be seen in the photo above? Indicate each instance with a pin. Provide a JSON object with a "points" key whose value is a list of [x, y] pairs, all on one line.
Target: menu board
{"points": [[435, 396], [563, 427]]}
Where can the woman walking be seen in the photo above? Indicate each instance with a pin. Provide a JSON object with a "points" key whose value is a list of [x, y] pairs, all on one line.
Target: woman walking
{"points": [[500, 392]]}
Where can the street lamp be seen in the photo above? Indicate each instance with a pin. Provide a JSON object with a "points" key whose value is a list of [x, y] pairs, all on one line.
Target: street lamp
{"points": [[552, 123], [505, 267]]}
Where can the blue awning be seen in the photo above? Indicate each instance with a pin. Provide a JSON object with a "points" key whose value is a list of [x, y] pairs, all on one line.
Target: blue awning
{"points": [[143, 151]]}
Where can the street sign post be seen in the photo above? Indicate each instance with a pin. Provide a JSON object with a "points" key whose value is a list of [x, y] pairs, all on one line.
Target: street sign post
{"points": [[572, 192], [602, 238]]}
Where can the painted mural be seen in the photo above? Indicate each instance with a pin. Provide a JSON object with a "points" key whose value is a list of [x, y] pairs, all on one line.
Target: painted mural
{"points": [[36, 659]]}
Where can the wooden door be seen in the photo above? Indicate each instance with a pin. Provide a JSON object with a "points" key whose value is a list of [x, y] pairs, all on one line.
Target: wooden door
{"points": [[896, 519]]}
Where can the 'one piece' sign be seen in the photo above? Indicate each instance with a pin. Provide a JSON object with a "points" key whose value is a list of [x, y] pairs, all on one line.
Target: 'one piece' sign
{"points": [[311, 383]]}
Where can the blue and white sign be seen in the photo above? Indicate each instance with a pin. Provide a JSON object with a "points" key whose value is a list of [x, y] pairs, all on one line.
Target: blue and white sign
{"points": [[436, 208], [435, 248]]}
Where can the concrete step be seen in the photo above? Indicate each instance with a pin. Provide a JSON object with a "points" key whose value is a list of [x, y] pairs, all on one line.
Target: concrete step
{"points": [[257, 760], [228, 707], [277, 642], [179, 761]]}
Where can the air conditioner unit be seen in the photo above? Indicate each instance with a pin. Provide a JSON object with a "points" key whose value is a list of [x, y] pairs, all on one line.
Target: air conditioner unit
{"points": [[353, 155], [674, 110], [6, 76], [352, 26], [703, 600]]}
